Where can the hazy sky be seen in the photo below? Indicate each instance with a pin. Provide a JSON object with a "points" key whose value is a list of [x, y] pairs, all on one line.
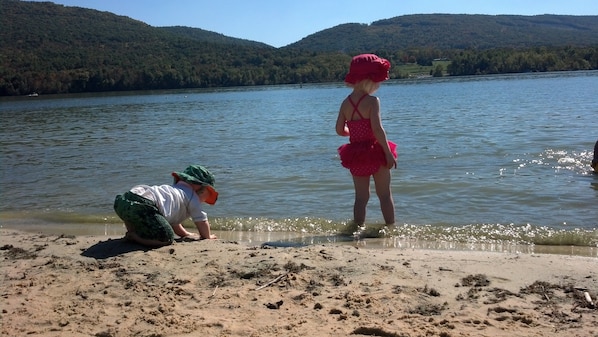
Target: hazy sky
{"points": [[282, 22]]}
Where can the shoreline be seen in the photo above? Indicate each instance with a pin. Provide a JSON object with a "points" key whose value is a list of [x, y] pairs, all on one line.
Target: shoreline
{"points": [[253, 238], [89, 285]]}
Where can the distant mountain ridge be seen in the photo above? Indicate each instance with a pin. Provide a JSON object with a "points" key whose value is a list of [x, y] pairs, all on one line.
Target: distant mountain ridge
{"points": [[439, 31], [49, 48], [198, 34], [455, 31], [21, 20]]}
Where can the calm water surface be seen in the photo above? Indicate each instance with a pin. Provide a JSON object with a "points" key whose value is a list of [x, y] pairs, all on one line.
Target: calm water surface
{"points": [[481, 159]]}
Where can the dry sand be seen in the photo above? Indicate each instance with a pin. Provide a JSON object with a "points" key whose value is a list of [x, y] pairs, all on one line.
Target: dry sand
{"points": [[62, 285]]}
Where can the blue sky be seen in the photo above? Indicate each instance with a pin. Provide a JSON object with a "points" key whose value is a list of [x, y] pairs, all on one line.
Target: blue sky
{"points": [[281, 22]]}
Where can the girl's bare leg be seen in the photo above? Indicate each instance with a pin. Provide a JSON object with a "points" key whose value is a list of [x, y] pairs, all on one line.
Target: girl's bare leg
{"points": [[362, 196], [383, 191]]}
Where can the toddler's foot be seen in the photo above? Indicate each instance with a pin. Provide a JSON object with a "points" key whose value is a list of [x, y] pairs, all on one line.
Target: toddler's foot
{"points": [[128, 237]]}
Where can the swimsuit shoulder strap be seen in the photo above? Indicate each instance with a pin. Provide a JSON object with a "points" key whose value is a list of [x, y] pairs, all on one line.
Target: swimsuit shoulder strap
{"points": [[355, 105]]}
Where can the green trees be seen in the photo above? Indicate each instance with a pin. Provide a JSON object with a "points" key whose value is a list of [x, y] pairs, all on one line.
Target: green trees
{"points": [[540, 59], [438, 71], [25, 73], [51, 49]]}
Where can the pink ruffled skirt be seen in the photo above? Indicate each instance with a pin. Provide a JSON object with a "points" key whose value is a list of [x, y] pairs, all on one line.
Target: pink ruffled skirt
{"points": [[364, 158]]}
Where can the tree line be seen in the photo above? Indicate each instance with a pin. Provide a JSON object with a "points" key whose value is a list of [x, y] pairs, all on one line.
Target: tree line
{"points": [[539, 59], [68, 73]]}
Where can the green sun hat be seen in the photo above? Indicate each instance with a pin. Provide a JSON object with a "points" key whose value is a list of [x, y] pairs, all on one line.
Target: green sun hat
{"points": [[198, 175]]}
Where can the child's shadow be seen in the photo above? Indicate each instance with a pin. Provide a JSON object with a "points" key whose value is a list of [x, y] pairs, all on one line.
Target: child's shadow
{"points": [[112, 248]]}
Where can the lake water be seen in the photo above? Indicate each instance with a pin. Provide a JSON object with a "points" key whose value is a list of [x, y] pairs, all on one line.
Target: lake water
{"points": [[483, 160]]}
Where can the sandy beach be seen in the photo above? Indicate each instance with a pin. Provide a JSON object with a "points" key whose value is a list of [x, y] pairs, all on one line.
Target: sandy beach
{"points": [[64, 285]]}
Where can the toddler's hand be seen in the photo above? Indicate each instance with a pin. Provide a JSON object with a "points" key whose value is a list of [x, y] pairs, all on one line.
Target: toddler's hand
{"points": [[391, 161], [191, 237]]}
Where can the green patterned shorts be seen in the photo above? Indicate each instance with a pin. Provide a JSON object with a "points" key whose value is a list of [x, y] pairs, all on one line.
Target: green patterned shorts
{"points": [[143, 215]]}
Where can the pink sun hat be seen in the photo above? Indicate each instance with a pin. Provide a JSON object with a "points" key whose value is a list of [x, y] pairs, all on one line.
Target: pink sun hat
{"points": [[368, 66]]}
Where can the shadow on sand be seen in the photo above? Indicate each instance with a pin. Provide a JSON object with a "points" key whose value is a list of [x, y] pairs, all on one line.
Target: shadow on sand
{"points": [[111, 248]]}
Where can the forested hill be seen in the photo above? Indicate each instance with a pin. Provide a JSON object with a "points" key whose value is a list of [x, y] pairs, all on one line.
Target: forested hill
{"points": [[456, 31], [212, 37], [49, 48]]}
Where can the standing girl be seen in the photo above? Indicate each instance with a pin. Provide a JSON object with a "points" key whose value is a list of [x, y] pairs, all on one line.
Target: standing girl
{"points": [[368, 153]]}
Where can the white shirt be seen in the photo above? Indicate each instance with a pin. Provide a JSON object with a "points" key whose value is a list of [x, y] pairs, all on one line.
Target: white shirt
{"points": [[175, 202]]}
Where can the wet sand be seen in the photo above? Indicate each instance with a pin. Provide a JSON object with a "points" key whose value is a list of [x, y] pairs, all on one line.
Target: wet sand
{"points": [[256, 238], [90, 285]]}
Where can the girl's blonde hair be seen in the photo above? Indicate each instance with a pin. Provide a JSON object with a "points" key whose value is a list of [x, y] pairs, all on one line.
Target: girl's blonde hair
{"points": [[366, 85]]}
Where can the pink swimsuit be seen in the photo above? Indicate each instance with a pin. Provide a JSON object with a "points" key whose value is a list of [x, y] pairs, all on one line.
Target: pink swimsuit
{"points": [[363, 155]]}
